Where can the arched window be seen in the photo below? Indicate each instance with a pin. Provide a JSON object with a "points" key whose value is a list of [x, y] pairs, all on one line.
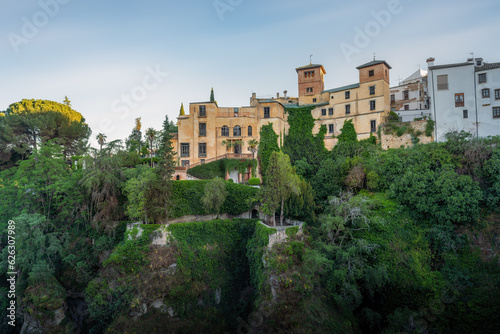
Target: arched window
{"points": [[237, 131], [225, 131], [250, 131]]}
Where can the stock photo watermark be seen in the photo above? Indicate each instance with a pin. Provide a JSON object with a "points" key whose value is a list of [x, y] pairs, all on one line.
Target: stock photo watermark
{"points": [[11, 273], [224, 6], [364, 36], [122, 106], [31, 26]]}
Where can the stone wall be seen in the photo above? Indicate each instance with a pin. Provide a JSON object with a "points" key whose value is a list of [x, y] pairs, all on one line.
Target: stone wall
{"points": [[394, 141]]}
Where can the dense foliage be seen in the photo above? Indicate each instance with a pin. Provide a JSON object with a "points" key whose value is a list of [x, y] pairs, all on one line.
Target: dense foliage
{"points": [[403, 240]]}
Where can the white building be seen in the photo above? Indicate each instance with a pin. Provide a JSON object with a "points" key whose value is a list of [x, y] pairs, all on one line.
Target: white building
{"points": [[465, 96], [409, 99]]}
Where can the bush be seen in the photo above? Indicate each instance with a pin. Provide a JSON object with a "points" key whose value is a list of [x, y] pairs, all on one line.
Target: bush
{"points": [[254, 181], [186, 198]]}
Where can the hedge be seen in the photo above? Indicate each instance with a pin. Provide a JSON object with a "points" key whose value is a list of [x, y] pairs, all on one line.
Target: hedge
{"points": [[187, 195]]}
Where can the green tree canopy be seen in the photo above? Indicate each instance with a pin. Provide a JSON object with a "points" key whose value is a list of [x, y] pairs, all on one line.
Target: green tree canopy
{"points": [[348, 133], [281, 183]]}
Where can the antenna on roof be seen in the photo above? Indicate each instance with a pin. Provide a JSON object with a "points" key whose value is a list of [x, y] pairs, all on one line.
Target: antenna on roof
{"points": [[310, 59], [374, 54]]}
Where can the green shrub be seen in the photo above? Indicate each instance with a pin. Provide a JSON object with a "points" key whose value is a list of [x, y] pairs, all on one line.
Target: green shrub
{"points": [[254, 181], [429, 128], [186, 198]]}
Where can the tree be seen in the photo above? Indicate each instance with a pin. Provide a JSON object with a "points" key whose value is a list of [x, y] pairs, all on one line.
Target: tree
{"points": [[182, 112], [281, 183], [212, 97], [214, 195], [151, 134], [253, 144], [29, 123], [268, 144], [134, 140], [166, 151], [348, 133], [101, 139]]}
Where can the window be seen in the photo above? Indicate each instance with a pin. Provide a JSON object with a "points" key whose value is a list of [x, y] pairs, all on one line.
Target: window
{"points": [[203, 111], [497, 94], [481, 77], [267, 112], [373, 126], [393, 98], [330, 111], [314, 100], [347, 109], [407, 107], [442, 82], [323, 112], [185, 150], [496, 112], [372, 105], [466, 113], [459, 100], [203, 129], [185, 163], [249, 131], [236, 111], [331, 97], [202, 150], [309, 74], [330, 128], [406, 95], [372, 90], [237, 131], [224, 131], [371, 73], [309, 90], [347, 95], [486, 93]]}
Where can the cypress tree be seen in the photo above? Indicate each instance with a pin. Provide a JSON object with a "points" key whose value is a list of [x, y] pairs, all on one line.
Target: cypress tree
{"points": [[182, 113], [212, 97]]}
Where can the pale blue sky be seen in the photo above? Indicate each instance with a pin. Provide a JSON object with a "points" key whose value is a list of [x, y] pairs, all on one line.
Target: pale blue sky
{"points": [[97, 52]]}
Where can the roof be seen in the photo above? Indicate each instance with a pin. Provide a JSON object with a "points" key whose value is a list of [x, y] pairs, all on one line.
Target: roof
{"points": [[310, 66], [339, 89], [307, 105], [450, 65], [374, 62], [487, 66]]}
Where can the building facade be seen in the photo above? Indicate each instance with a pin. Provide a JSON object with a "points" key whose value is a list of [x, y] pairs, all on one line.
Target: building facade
{"points": [[209, 132], [409, 100], [465, 96]]}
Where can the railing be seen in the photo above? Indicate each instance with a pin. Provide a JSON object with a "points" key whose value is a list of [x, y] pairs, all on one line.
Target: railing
{"points": [[224, 156]]}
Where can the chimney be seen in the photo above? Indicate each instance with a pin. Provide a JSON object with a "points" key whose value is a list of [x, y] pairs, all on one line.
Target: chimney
{"points": [[430, 62], [277, 95], [284, 92], [254, 95], [479, 61]]}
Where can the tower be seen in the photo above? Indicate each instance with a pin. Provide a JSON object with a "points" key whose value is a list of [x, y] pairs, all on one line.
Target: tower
{"points": [[311, 79]]}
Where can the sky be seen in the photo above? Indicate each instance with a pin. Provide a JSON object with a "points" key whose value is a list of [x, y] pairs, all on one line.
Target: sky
{"points": [[119, 60]]}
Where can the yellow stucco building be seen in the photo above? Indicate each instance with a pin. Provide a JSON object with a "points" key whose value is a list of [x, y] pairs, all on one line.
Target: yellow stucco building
{"points": [[209, 132]]}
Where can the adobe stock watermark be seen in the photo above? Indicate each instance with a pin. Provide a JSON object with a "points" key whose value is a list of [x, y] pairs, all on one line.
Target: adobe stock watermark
{"points": [[224, 6], [151, 81], [31, 27], [11, 273], [363, 37]]}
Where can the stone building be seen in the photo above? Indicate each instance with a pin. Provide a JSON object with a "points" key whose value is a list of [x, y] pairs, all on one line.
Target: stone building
{"points": [[410, 99], [209, 132]]}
